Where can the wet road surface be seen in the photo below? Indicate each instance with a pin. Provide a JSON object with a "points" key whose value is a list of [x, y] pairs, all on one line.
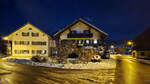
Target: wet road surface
{"points": [[128, 71]]}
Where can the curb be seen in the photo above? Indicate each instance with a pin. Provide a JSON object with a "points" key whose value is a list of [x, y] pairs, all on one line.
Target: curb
{"points": [[143, 61]]}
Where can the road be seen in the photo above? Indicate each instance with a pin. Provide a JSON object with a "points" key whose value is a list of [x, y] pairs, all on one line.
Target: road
{"points": [[128, 71]]}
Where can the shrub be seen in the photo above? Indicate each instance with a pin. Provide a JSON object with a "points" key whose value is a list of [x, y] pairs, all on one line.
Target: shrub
{"points": [[2, 55], [39, 58]]}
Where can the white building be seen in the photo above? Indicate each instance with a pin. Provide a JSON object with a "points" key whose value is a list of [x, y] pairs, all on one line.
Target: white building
{"points": [[28, 41]]}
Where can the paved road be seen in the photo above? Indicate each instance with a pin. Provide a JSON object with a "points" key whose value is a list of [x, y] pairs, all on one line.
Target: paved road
{"points": [[128, 71]]}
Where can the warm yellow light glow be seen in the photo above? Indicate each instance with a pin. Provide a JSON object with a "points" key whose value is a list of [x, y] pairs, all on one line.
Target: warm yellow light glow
{"points": [[129, 43], [112, 46], [5, 38], [15, 37]]}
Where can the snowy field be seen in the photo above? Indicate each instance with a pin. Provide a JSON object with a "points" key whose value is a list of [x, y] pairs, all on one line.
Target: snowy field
{"points": [[104, 64]]}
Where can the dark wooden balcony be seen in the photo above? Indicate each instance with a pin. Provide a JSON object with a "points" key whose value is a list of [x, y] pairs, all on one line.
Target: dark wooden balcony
{"points": [[80, 35]]}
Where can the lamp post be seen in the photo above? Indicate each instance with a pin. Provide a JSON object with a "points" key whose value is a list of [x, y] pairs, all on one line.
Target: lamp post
{"points": [[129, 44], [112, 49]]}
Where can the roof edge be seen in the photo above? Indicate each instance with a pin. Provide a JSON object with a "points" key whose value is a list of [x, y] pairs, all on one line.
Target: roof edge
{"points": [[80, 19], [25, 25]]}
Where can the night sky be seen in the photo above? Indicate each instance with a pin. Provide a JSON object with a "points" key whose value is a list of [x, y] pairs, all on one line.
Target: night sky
{"points": [[121, 19]]}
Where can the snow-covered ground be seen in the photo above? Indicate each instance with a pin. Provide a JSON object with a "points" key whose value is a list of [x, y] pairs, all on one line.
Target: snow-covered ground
{"points": [[104, 64]]}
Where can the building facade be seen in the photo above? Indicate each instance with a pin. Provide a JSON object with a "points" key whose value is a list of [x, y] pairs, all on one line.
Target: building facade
{"points": [[28, 41], [141, 47], [83, 33], [80, 41]]}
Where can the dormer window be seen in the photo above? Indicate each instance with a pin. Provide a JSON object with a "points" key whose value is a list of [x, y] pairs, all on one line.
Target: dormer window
{"points": [[35, 34], [25, 33]]}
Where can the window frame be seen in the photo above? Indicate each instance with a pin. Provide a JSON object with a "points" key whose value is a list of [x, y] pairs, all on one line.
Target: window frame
{"points": [[25, 34]]}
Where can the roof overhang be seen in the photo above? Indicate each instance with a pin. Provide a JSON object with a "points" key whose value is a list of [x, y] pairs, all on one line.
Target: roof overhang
{"points": [[80, 19]]}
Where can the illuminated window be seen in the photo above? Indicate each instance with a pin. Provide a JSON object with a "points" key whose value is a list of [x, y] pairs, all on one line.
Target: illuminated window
{"points": [[41, 51], [87, 42], [95, 41], [79, 41]]}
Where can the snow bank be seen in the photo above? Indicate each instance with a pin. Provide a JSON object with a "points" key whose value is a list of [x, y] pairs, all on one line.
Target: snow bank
{"points": [[104, 64]]}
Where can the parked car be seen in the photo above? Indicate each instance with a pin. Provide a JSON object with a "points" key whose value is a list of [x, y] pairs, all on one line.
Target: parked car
{"points": [[96, 58], [104, 54]]}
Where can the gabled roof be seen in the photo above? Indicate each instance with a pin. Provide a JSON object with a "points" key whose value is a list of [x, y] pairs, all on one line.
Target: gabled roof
{"points": [[84, 21], [23, 27]]}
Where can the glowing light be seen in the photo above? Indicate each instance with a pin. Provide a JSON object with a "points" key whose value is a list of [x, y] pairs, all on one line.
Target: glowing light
{"points": [[95, 41], [5, 38], [87, 41], [112, 46], [129, 43]]}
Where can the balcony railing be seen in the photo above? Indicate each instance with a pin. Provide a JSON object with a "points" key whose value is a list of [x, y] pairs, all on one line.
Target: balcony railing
{"points": [[80, 35]]}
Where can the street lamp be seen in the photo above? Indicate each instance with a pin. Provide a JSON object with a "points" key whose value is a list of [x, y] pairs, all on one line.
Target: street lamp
{"points": [[112, 49], [129, 43], [112, 46]]}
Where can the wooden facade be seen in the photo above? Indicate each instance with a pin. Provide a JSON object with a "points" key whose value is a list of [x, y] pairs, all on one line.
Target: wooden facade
{"points": [[83, 33], [84, 39]]}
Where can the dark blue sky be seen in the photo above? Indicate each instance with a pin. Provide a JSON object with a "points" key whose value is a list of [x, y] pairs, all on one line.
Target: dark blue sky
{"points": [[121, 19]]}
